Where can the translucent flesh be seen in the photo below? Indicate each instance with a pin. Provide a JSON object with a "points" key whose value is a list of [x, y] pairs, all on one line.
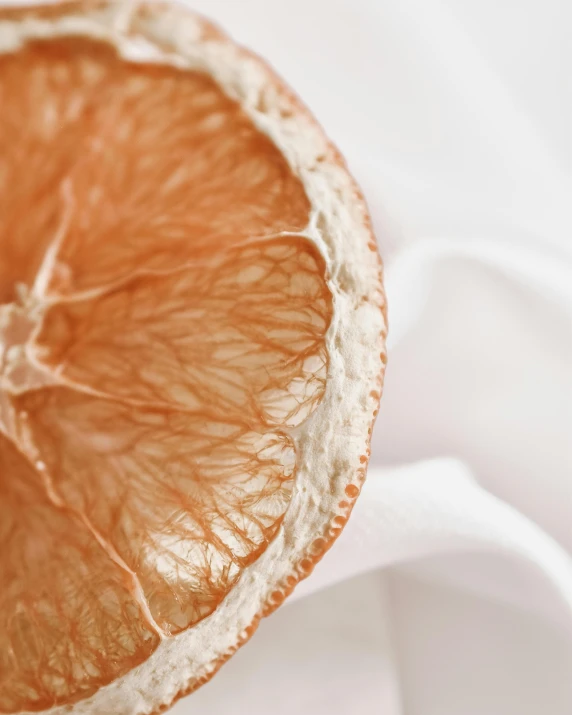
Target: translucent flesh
{"points": [[162, 331]]}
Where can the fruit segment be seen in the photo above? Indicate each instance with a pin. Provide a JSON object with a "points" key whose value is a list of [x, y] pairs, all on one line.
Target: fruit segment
{"points": [[68, 619], [240, 334], [185, 500], [128, 167]]}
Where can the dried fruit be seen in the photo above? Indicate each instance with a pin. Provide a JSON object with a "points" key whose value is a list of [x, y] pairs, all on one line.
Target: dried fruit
{"points": [[191, 325]]}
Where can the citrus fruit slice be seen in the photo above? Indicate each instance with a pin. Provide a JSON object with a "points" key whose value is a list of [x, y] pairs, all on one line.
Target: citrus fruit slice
{"points": [[192, 329]]}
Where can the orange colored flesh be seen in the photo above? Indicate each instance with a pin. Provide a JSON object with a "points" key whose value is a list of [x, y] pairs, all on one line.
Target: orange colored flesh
{"points": [[162, 331]]}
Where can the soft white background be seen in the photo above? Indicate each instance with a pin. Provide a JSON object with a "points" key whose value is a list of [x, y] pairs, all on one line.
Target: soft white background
{"points": [[450, 593]]}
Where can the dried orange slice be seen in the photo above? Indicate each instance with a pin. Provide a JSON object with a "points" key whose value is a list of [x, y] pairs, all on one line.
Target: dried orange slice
{"points": [[192, 332]]}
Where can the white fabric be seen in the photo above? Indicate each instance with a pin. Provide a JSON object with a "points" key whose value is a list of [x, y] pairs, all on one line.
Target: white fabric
{"points": [[454, 116], [450, 592]]}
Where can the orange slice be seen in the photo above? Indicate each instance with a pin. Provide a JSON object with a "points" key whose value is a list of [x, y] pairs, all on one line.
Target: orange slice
{"points": [[192, 329]]}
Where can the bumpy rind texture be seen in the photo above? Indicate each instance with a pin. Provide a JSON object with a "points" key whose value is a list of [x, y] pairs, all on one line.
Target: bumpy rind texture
{"points": [[333, 444]]}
